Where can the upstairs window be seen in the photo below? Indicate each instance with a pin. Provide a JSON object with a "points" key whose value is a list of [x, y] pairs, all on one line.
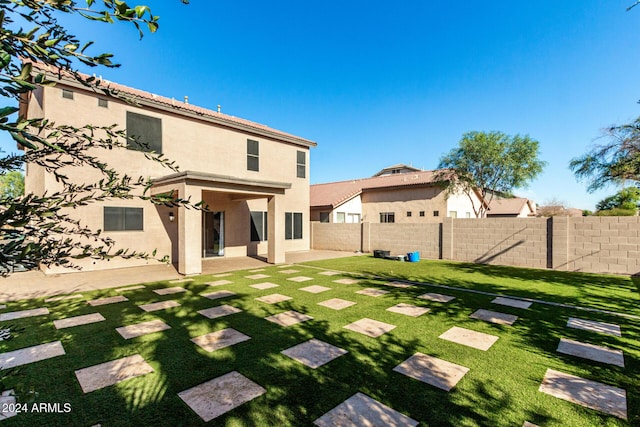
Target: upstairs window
{"points": [[436, 213], [421, 213], [293, 225], [301, 164], [253, 155], [67, 94], [258, 226], [340, 217], [144, 133], [324, 216], [387, 217], [409, 213], [453, 214]]}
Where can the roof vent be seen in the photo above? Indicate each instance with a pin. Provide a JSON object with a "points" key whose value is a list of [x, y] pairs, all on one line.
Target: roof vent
{"points": [[219, 108], [186, 99]]}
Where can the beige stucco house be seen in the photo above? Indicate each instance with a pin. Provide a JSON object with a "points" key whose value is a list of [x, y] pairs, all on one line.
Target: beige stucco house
{"points": [[515, 207], [253, 178], [397, 194]]}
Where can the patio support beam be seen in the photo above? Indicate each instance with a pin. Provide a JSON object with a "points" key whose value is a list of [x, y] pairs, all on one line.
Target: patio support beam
{"points": [[189, 232], [275, 229]]}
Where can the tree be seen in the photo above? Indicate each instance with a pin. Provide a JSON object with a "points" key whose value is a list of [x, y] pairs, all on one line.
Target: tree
{"points": [[37, 229], [488, 162], [627, 199], [11, 185], [552, 207], [615, 162]]}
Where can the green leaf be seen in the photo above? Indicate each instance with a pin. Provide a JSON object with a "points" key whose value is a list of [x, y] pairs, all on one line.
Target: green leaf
{"points": [[5, 111]]}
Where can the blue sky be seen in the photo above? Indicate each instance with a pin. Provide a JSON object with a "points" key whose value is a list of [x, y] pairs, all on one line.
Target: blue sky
{"points": [[377, 83]]}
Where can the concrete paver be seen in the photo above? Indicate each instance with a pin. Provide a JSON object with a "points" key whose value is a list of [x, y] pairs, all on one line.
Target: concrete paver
{"points": [[360, 410]]}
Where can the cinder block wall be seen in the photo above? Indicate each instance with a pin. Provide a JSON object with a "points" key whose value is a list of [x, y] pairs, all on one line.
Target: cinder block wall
{"points": [[336, 237], [604, 244], [403, 238], [589, 244], [503, 241]]}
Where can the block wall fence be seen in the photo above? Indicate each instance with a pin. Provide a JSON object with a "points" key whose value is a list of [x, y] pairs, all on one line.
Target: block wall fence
{"points": [[589, 244]]}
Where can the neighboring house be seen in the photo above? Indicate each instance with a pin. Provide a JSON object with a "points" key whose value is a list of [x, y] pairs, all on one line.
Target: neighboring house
{"points": [[515, 207], [254, 179], [412, 196]]}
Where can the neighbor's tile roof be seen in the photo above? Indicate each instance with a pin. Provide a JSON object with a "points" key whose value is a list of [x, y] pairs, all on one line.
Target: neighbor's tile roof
{"points": [[179, 106], [507, 206], [336, 193]]}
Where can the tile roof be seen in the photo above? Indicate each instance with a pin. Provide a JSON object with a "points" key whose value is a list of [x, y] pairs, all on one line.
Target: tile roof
{"points": [[336, 193], [513, 206], [118, 90]]}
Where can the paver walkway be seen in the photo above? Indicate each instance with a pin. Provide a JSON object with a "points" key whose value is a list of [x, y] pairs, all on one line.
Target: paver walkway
{"points": [[110, 373], [13, 315], [78, 320], [140, 329], [432, 370], [220, 339], [27, 355], [370, 327], [593, 326], [288, 318], [591, 352], [314, 353]]}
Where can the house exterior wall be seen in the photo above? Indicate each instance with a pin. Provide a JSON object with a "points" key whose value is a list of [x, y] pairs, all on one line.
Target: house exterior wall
{"points": [[351, 209], [462, 206], [401, 200], [195, 145]]}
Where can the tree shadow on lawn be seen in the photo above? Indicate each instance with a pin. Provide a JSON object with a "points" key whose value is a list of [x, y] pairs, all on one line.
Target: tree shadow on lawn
{"points": [[296, 395]]}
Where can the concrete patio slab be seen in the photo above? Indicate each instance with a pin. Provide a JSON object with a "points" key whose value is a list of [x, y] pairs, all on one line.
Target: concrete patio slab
{"points": [[216, 397], [329, 273], [140, 329], [593, 326], [222, 275], [110, 373], [219, 311], [289, 271], [218, 294], [432, 296], [372, 292], [431, 370], [263, 286], [162, 305], [314, 353], [219, 282], [64, 298], [336, 303], [14, 315], [85, 319], [346, 281], [360, 410], [510, 302], [130, 288], [257, 276], [591, 352], [273, 298], [108, 300], [494, 317], [170, 291], [27, 355], [470, 338], [300, 279], [288, 318], [398, 285], [408, 309], [591, 394], [370, 327], [315, 289], [220, 339]]}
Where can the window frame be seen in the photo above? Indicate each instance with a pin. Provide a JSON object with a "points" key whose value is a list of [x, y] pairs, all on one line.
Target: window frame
{"points": [[301, 166], [387, 217], [132, 144], [293, 226], [253, 157], [67, 94], [123, 223], [258, 227]]}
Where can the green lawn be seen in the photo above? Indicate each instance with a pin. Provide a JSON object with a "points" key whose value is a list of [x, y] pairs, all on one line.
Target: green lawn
{"points": [[500, 389]]}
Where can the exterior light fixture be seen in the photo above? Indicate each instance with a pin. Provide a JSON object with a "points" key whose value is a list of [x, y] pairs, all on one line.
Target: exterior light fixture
{"points": [[172, 217]]}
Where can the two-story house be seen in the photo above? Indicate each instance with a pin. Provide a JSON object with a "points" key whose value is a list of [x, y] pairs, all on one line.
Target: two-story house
{"points": [[253, 178]]}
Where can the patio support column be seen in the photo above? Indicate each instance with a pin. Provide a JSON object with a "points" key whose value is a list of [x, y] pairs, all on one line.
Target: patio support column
{"points": [[275, 230], [189, 233]]}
